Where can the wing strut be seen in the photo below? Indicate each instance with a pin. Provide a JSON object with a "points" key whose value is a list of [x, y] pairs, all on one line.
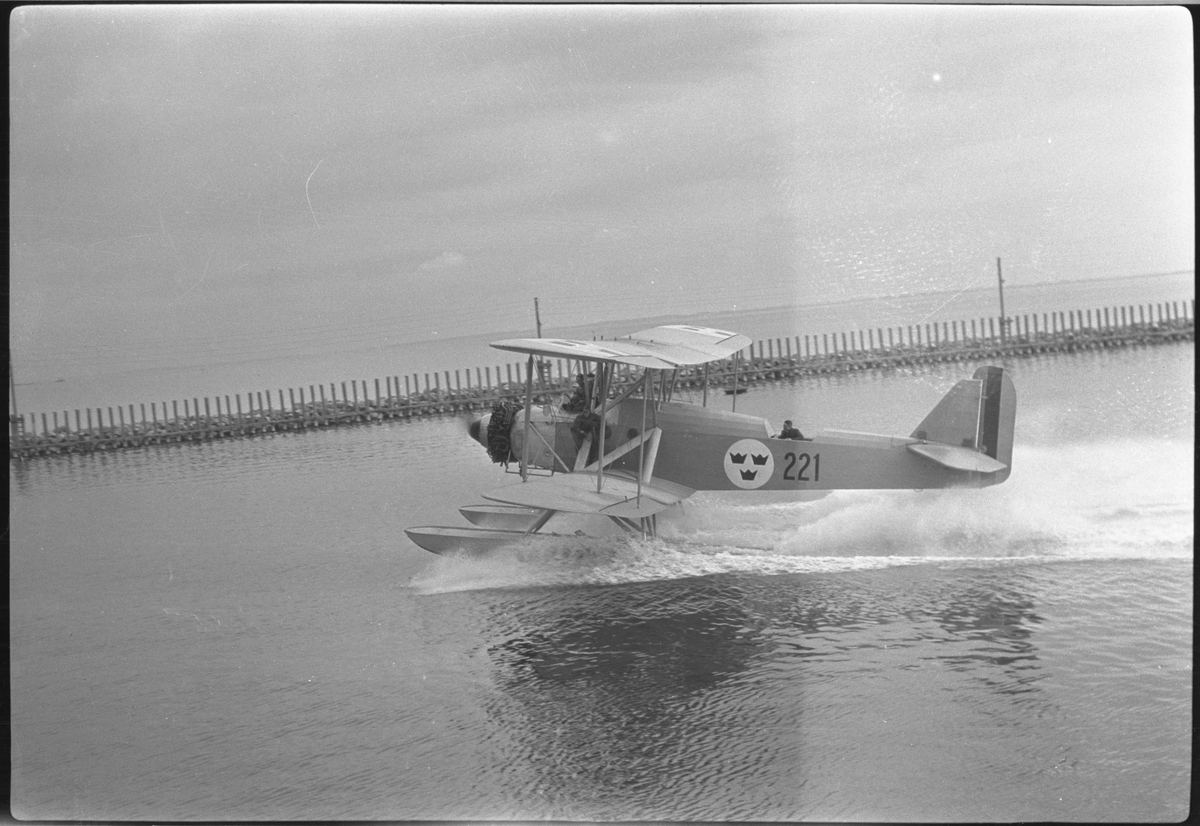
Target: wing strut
{"points": [[540, 522], [646, 443], [641, 433], [605, 371], [528, 404], [618, 452], [550, 448], [735, 367], [581, 456]]}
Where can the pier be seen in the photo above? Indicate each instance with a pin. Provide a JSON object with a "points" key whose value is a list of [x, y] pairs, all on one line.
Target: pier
{"points": [[451, 392]]}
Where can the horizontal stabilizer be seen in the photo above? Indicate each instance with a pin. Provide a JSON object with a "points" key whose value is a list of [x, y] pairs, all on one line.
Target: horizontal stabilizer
{"points": [[958, 458], [576, 493]]}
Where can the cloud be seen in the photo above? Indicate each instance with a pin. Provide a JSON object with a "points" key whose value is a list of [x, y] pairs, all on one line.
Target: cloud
{"points": [[444, 261]]}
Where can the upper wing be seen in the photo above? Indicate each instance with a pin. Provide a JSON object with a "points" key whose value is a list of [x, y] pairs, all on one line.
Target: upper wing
{"points": [[684, 344], [619, 352], [662, 348], [576, 493]]}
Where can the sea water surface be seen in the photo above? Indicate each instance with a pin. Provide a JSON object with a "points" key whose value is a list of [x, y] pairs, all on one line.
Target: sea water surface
{"points": [[240, 630]]}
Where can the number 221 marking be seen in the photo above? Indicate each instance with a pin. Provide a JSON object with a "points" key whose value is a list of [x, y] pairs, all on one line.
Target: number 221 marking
{"points": [[804, 462]]}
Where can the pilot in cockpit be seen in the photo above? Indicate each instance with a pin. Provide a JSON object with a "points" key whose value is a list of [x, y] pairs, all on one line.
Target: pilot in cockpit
{"points": [[579, 397], [789, 431]]}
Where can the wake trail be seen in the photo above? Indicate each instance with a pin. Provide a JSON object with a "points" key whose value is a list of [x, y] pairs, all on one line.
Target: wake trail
{"points": [[1123, 499]]}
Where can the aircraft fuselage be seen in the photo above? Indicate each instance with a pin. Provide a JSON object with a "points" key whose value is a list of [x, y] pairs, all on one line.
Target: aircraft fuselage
{"points": [[708, 449]]}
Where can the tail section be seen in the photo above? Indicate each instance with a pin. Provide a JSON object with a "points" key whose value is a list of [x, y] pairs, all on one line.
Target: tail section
{"points": [[977, 414]]}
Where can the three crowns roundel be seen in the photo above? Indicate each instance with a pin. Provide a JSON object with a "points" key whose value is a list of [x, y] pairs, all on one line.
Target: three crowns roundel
{"points": [[749, 463]]}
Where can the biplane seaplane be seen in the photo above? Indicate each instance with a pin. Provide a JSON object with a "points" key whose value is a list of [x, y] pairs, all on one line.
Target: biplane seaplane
{"points": [[622, 447]]}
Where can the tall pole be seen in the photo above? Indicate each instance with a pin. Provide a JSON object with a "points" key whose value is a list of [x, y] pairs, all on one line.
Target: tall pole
{"points": [[1003, 324], [541, 366], [12, 386]]}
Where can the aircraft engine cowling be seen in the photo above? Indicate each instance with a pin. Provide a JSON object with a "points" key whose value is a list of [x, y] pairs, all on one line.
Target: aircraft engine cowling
{"points": [[554, 438], [495, 430], [544, 433]]}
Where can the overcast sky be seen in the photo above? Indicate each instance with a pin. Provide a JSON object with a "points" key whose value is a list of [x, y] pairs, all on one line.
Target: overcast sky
{"points": [[259, 173]]}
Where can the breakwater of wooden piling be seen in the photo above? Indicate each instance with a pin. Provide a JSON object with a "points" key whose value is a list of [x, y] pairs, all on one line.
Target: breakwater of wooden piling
{"points": [[402, 397]]}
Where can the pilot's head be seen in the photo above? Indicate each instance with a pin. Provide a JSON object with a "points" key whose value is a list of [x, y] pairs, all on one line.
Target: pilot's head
{"points": [[787, 422]]}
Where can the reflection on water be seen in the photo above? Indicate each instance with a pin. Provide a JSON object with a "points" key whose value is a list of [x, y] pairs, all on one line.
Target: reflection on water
{"points": [[678, 652], [1000, 624], [607, 695], [600, 691]]}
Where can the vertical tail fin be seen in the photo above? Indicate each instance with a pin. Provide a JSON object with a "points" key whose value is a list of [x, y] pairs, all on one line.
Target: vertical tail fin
{"points": [[978, 413]]}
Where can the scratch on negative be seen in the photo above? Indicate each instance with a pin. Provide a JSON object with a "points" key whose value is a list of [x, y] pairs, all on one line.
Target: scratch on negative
{"points": [[944, 303], [310, 209], [202, 277]]}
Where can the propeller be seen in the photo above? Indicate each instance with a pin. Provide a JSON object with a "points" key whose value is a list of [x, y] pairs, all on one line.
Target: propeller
{"points": [[478, 428]]}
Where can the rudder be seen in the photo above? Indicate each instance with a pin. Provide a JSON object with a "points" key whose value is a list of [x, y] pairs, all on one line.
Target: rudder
{"points": [[997, 417]]}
